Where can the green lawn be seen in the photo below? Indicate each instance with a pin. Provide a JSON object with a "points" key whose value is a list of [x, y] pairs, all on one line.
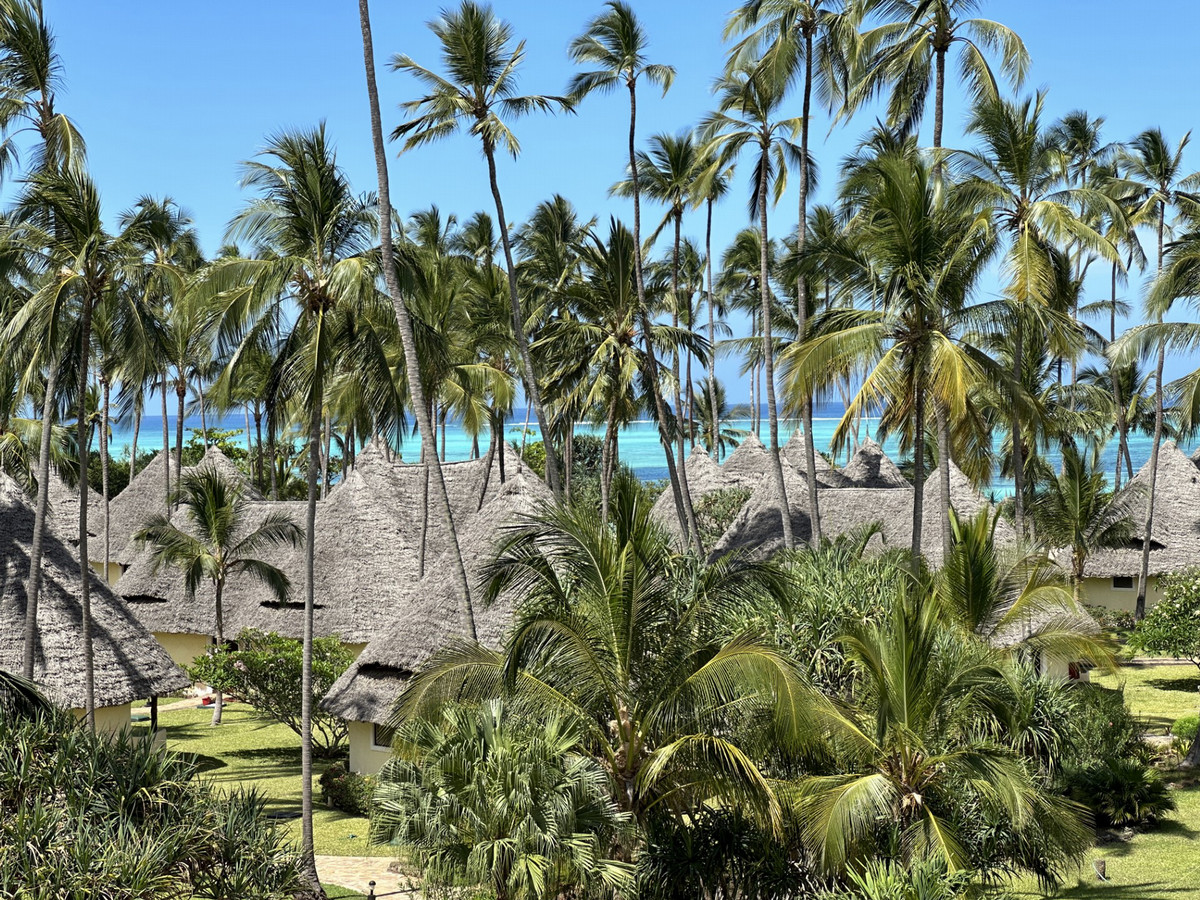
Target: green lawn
{"points": [[1159, 694], [250, 752]]}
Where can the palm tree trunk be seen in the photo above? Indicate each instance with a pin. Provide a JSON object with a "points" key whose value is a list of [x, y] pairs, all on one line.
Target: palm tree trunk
{"points": [[806, 405], [274, 454], [85, 571], [1122, 428], [918, 472], [137, 426], [424, 516], [104, 388], [258, 444], [1018, 437], [676, 475], [568, 458], [487, 465], [181, 396], [203, 415], [533, 390], [306, 693], [327, 440], [764, 289], [679, 419], [218, 589], [166, 450], [943, 439], [607, 464], [416, 389], [712, 333], [33, 586], [1144, 571]]}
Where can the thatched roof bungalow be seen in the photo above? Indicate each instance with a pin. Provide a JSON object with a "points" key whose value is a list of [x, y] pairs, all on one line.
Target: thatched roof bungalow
{"points": [[129, 664], [870, 467], [424, 617]]}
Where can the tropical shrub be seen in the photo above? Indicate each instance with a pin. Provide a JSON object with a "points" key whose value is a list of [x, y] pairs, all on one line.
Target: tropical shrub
{"points": [[1104, 728], [715, 512], [478, 796], [265, 672], [83, 815], [1123, 792], [1118, 621], [348, 791], [1172, 626], [1185, 727], [885, 880]]}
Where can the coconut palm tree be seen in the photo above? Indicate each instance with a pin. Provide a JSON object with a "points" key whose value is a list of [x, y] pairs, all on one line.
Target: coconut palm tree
{"points": [[480, 91], [1019, 173], [667, 173], [915, 753], [313, 288], [747, 119], [914, 250], [1076, 510], [906, 58], [622, 637], [614, 43], [716, 438], [1156, 169], [219, 541]]}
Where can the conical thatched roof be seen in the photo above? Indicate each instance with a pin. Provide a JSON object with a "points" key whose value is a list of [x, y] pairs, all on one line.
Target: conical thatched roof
{"points": [[146, 496], [870, 467], [748, 462], [1175, 540], [704, 476], [63, 510], [426, 616], [793, 455], [368, 540], [757, 528], [129, 664]]}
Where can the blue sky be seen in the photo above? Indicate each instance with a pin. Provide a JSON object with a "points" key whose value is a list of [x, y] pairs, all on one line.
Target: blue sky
{"points": [[171, 96]]}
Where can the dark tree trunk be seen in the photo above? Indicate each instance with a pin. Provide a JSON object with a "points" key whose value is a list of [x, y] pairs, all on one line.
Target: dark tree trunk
{"points": [[680, 423], [306, 690], [85, 571], [166, 450], [218, 590], [806, 405], [715, 416], [1160, 361], [104, 388], [33, 585], [918, 472], [137, 426]]}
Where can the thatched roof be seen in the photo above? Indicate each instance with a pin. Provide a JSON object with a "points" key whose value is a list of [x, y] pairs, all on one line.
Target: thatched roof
{"points": [[63, 510], [129, 664], [1175, 539], [704, 476], [146, 496], [747, 464], [368, 538], [425, 617], [757, 528], [870, 467], [793, 454]]}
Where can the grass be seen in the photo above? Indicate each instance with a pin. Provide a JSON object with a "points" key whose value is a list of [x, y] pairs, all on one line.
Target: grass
{"points": [[251, 752], [1163, 863]]}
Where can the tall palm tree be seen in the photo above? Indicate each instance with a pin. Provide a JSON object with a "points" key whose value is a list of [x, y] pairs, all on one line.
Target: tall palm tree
{"points": [[480, 91], [1150, 163], [218, 542], [31, 71], [614, 42], [1019, 173], [747, 119], [312, 287], [622, 637], [906, 57], [813, 42], [667, 173], [915, 250]]}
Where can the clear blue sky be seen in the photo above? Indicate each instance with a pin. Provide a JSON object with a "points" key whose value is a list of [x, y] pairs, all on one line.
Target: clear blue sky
{"points": [[171, 96]]}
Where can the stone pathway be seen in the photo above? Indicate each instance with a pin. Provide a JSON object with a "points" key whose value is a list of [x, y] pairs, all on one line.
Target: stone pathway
{"points": [[357, 872]]}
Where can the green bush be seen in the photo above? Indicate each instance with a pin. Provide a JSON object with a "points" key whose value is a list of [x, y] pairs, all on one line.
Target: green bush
{"points": [[1114, 620], [347, 791], [83, 815], [1123, 792], [1172, 627], [716, 511], [1104, 729], [1185, 727], [265, 672]]}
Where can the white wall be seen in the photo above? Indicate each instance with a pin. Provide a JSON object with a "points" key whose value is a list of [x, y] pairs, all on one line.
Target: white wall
{"points": [[365, 757], [109, 719], [1100, 592]]}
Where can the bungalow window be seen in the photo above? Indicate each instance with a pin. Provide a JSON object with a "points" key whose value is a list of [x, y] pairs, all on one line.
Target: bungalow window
{"points": [[382, 736], [1122, 582]]}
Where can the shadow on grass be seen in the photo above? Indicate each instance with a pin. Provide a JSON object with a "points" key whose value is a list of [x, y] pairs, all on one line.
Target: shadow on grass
{"points": [[1189, 683], [204, 763], [1144, 890]]}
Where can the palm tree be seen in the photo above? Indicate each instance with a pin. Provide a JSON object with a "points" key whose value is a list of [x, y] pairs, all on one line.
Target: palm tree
{"points": [[814, 42], [218, 543], [1077, 511], [915, 249], [481, 89], [916, 754], [667, 173], [1019, 173], [1151, 164], [622, 637], [615, 43], [31, 71], [315, 237], [903, 55], [716, 438], [746, 119]]}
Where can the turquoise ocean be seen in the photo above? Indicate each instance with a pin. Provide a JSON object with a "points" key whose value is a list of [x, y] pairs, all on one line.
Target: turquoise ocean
{"points": [[639, 446]]}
